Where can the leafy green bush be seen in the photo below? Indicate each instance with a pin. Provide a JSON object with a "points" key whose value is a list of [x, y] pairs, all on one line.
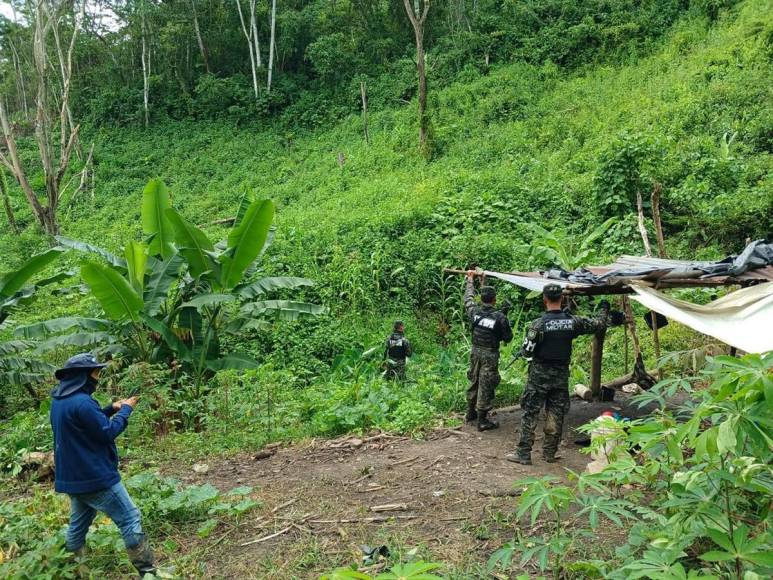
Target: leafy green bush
{"points": [[692, 485]]}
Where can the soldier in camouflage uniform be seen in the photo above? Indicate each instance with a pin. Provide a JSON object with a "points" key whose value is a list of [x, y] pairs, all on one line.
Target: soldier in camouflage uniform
{"points": [[548, 347], [489, 327], [398, 348]]}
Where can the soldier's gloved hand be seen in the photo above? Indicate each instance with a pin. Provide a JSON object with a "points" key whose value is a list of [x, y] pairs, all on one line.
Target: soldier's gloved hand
{"points": [[604, 306]]}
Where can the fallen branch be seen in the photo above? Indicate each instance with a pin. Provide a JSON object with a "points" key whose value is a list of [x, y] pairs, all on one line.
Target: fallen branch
{"points": [[439, 458], [265, 454], [389, 507], [363, 478], [371, 489], [372, 520], [284, 505], [500, 492], [454, 519], [266, 538], [404, 461]]}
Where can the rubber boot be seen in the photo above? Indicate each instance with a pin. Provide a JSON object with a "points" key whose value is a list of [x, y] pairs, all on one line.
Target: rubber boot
{"points": [[484, 423], [472, 414], [142, 558], [516, 457]]}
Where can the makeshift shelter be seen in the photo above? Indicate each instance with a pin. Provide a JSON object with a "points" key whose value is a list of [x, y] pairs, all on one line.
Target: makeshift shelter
{"points": [[743, 319]]}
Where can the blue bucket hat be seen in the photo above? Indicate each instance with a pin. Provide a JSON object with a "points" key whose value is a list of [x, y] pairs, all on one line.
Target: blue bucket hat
{"points": [[74, 374]]}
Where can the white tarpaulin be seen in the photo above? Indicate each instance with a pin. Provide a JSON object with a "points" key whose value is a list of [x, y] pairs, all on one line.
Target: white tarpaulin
{"points": [[743, 319], [528, 282]]}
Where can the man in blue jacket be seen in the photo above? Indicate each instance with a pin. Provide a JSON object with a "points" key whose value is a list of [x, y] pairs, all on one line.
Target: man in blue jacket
{"points": [[86, 459]]}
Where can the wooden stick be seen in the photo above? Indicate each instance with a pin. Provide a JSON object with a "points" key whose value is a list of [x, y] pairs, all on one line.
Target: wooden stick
{"points": [[284, 505], [642, 228], [655, 196], [404, 461], [373, 520], [597, 353], [266, 538], [389, 507]]}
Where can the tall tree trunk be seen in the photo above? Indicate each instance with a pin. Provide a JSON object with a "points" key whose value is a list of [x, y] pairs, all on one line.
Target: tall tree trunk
{"points": [[271, 45], [418, 21], [145, 71], [251, 36], [655, 198], [256, 38], [199, 38], [364, 96], [7, 202]]}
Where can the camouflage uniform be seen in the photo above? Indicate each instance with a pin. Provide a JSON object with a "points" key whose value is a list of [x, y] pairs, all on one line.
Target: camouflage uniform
{"points": [[489, 327], [548, 346], [397, 349]]}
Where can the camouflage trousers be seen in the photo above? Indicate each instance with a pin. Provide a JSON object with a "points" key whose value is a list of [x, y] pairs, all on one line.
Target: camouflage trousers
{"points": [[395, 370], [484, 378], [547, 387]]}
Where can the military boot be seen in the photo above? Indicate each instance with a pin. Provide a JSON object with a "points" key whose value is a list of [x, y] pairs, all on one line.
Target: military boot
{"points": [[142, 558], [484, 423], [551, 457], [516, 457], [472, 414]]}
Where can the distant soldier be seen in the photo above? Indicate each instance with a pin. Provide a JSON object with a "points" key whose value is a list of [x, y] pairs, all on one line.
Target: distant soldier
{"points": [[489, 327], [548, 347], [398, 348]]}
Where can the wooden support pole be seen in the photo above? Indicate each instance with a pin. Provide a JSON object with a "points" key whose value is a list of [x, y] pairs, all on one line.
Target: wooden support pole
{"points": [[656, 340], [597, 352]]}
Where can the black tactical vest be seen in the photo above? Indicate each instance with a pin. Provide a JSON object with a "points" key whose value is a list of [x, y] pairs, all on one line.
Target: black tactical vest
{"points": [[396, 347], [487, 327], [554, 342]]}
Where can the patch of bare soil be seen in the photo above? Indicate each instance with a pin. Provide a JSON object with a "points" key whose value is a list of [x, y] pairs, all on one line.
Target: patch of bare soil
{"points": [[323, 499]]}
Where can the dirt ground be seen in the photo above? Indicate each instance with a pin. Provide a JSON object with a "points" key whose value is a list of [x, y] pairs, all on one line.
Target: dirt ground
{"points": [[454, 491]]}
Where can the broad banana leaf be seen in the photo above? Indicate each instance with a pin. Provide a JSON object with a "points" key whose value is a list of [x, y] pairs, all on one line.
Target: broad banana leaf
{"points": [[192, 243], [233, 361], [26, 365], [162, 276], [114, 260], [16, 279], [79, 339], [13, 347], [57, 325], [180, 349], [282, 309], [155, 202], [113, 292], [259, 287], [245, 241], [22, 378], [136, 262], [53, 279], [205, 300]]}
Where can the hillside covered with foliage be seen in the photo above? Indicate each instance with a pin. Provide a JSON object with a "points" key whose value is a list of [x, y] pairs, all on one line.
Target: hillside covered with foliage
{"points": [[544, 113]]}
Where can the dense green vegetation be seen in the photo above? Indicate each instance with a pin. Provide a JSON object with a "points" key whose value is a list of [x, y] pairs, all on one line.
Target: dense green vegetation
{"points": [[544, 112]]}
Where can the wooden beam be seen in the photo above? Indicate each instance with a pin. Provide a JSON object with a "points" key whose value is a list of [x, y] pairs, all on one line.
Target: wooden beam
{"points": [[597, 352]]}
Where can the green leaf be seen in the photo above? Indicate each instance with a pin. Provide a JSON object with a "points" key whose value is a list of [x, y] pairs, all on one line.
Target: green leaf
{"points": [[233, 362], [57, 325], [726, 439], [345, 574], [90, 249], [206, 300], [155, 202], [172, 340], [192, 243], [113, 292], [282, 309], [136, 263], [79, 339], [254, 289], [162, 276], [245, 241], [16, 279], [207, 528]]}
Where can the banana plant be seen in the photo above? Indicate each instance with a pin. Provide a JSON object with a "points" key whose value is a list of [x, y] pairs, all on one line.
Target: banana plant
{"points": [[174, 294], [15, 292]]}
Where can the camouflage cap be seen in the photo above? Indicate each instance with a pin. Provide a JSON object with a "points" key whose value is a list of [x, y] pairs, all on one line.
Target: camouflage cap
{"points": [[552, 291]]}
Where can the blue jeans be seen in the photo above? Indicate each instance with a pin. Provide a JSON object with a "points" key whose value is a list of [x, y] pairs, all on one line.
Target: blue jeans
{"points": [[113, 501]]}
